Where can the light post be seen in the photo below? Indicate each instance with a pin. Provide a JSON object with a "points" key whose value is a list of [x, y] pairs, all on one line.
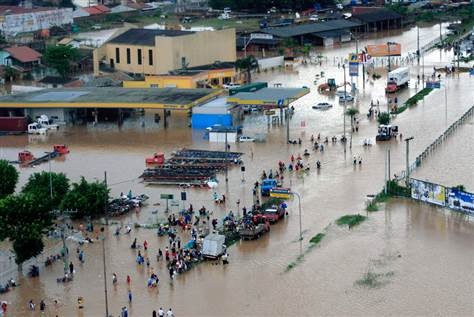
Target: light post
{"points": [[299, 213], [407, 176], [418, 44], [105, 273], [345, 100], [50, 176]]}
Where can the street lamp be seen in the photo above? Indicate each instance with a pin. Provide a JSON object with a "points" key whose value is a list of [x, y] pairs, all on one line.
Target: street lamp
{"points": [[407, 176], [299, 212], [105, 273]]}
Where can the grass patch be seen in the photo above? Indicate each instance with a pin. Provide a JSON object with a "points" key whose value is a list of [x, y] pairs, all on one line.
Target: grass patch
{"points": [[413, 100], [372, 207], [317, 238], [350, 220], [374, 280]]}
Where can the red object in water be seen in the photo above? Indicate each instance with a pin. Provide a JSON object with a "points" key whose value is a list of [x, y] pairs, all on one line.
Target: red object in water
{"points": [[25, 156], [157, 159], [60, 148], [391, 87]]}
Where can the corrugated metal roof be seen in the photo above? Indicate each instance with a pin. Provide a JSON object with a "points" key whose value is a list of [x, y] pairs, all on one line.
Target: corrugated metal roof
{"points": [[145, 36], [377, 15], [309, 28]]}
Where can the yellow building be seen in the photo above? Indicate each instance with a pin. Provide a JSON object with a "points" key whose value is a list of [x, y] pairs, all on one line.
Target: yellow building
{"points": [[205, 76], [153, 52]]}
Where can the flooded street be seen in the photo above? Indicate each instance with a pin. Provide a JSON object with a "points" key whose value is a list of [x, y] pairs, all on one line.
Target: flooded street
{"points": [[421, 257]]}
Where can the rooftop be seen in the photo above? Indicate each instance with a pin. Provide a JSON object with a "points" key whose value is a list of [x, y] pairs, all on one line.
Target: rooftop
{"points": [[23, 54], [268, 96], [109, 97], [376, 15], [97, 9], [309, 28], [4, 10], [145, 36]]}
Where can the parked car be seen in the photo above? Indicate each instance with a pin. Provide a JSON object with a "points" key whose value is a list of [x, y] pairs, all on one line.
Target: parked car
{"points": [[244, 138], [271, 215], [314, 17], [340, 93], [230, 85], [346, 98], [322, 106], [36, 128]]}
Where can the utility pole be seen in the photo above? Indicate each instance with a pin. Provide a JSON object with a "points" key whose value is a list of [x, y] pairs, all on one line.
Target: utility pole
{"points": [[388, 48], [407, 176], [389, 164], [103, 246], [418, 44], [440, 34], [226, 164], [288, 123], [105, 273], [50, 177], [345, 100]]}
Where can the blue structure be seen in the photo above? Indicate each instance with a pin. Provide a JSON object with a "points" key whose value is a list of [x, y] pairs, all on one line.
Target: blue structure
{"points": [[215, 112], [202, 121]]}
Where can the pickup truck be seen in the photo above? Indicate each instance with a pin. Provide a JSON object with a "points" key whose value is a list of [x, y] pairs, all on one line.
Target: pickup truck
{"points": [[266, 185], [253, 231], [272, 215]]}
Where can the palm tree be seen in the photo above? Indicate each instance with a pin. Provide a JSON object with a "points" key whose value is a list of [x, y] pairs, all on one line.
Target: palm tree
{"points": [[351, 112], [383, 118], [247, 64]]}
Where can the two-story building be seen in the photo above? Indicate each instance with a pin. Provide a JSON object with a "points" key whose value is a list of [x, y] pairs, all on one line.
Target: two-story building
{"points": [[154, 52]]}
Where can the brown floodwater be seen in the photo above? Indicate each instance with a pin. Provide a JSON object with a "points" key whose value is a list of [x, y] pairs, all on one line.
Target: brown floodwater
{"points": [[420, 258]]}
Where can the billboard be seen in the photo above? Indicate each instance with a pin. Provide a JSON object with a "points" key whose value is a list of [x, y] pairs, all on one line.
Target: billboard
{"points": [[428, 192], [393, 49], [462, 201]]}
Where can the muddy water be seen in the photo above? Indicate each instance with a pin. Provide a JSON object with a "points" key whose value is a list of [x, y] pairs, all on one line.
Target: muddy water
{"points": [[421, 256]]}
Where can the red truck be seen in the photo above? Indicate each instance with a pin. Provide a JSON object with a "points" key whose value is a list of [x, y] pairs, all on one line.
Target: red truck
{"points": [[272, 215]]}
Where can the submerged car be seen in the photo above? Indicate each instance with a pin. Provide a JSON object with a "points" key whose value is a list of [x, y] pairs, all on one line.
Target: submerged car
{"points": [[322, 105]]}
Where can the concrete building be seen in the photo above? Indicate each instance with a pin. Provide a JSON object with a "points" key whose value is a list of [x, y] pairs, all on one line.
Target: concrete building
{"points": [[153, 52], [15, 19]]}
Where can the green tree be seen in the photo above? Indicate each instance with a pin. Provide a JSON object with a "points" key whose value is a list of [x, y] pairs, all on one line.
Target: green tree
{"points": [[38, 186], [8, 178], [351, 112], [86, 199], [383, 118], [290, 44], [247, 64], [59, 57], [24, 225]]}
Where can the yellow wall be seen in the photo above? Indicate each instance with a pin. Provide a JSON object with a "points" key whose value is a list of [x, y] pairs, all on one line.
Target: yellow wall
{"points": [[181, 81], [200, 48], [162, 82]]}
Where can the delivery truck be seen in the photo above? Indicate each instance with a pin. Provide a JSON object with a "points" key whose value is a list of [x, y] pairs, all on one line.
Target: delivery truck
{"points": [[397, 79]]}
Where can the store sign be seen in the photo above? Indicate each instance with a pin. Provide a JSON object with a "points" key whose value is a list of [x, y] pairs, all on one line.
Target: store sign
{"points": [[283, 193], [379, 50], [353, 69]]}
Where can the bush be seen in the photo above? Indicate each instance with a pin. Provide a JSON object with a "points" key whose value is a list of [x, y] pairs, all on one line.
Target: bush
{"points": [[383, 118], [350, 220], [317, 238]]}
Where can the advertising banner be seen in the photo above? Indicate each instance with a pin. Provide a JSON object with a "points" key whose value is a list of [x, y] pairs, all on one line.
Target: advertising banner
{"points": [[379, 50], [462, 201], [428, 192]]}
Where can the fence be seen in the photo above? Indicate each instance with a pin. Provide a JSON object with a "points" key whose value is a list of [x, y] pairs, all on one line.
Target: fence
{"points": [[437, 142]]}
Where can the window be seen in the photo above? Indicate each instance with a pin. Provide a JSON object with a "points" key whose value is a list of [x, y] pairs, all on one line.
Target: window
{"points": [[139, 56], [128, 56], [117, 55], [150, 57], [154, 86]]}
